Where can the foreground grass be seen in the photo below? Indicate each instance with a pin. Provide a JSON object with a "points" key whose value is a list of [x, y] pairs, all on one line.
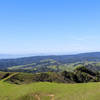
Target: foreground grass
{"points": [[89, 91]]}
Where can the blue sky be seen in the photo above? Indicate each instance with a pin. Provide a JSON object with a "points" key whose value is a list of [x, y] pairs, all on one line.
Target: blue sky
{"points": [[49, 26]]}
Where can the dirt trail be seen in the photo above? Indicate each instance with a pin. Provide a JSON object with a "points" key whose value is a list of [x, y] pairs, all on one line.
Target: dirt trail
{"points": [[37, 97], [50, 95]]}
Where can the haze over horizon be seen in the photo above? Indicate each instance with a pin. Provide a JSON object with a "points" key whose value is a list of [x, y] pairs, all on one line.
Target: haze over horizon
{"points": [[49, 26]]}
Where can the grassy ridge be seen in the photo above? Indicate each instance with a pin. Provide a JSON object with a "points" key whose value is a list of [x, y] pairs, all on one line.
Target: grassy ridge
{"points": [[51, 85], [79, 75], [89, 91]]}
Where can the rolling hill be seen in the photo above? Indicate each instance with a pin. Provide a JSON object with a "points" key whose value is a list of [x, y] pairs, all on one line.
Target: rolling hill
{"points": [[51, 63], [25, 86]]}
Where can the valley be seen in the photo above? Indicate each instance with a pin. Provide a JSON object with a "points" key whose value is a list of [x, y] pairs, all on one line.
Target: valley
{"points": [[48, 78]]}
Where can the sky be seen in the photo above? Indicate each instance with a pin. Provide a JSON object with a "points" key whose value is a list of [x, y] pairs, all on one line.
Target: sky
{"points": [[49, 26]]}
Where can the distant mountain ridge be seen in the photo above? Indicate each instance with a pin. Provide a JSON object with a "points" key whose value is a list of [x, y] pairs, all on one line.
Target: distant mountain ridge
{"points": [[17, 56], [9, 56], [48, 62]]}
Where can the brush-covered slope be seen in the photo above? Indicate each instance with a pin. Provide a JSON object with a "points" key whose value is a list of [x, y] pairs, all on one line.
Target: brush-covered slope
{"points": [[79, 75], [50, 86]]}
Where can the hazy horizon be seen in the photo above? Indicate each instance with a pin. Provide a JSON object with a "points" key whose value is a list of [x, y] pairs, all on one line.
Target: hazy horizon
{"points": [[49, 26], [49, 53]]}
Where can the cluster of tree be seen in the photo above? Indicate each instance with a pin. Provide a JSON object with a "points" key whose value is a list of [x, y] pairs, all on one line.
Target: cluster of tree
{"points": [[80, 75]]}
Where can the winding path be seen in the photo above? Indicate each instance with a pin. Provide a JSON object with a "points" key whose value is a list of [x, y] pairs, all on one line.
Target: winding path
{"points": [[37, 97], [13, 74], [50, 95]]}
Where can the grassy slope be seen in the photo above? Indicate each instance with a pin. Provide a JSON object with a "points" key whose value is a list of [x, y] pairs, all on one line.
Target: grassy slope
{"points": [[89, 91]]}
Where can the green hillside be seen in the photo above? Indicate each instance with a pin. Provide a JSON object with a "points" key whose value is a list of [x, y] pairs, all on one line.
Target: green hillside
{"points": [[51, 63], [89, 91], [79, 75], [51, 66], [81, 84]]}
